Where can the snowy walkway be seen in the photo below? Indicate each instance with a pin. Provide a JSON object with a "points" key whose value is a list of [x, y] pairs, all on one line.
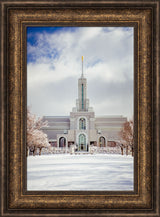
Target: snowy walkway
{"points": [[80, 172]]}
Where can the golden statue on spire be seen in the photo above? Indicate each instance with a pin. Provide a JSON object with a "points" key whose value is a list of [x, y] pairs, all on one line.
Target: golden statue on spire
{"points": [[82, 66]]}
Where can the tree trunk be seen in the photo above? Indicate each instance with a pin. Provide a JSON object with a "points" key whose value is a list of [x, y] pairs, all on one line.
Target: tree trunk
{"points": [[40, 150], [127, 150], [121, 150], [34, 151], [132, 152]]}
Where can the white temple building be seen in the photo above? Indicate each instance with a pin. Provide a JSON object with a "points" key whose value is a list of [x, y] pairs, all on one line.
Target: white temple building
{"points": [[82, 128]]}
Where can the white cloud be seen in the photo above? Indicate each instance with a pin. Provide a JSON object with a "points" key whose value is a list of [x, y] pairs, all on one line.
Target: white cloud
{"points": [[108, 57]]}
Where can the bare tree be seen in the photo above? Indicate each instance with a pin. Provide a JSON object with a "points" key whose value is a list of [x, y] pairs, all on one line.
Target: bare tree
{"points": [[36, 138], [126, 135]]}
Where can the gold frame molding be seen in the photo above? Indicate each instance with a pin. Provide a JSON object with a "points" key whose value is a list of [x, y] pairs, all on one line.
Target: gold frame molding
{"points": [[144, 17]]}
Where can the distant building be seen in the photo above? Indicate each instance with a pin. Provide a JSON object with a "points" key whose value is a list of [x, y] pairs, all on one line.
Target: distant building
{"points": [[82, 128]]}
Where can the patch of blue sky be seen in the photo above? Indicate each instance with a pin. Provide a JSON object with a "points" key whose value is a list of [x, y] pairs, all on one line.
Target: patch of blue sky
{"points": [[108, 29], [33, 31], [112, 28], [32, 57], [94, 62], [33, 40], [128, 28], [35, 51]]}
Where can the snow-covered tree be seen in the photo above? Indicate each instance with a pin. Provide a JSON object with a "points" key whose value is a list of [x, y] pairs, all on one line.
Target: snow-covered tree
{"points": [[126, 135], [36, 138]]}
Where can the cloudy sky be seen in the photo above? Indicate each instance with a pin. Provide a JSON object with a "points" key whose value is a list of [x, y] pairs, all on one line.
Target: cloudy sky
{"points": [[54, 66]]}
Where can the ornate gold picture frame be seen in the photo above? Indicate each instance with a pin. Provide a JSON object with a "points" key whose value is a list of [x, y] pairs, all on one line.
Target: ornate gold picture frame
{"points": [[144, 17]]}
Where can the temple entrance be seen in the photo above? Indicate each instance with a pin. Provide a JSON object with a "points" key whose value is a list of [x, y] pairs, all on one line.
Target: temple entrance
{"points": [[62, 142], [82, 146], [102, 142]]}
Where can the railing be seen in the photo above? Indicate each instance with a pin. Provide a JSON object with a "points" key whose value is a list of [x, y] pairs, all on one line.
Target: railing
{"points": [[92, 150]]}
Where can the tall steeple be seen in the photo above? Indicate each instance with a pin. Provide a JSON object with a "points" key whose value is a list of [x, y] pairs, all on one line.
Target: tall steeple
{"points": [[82, 102]]}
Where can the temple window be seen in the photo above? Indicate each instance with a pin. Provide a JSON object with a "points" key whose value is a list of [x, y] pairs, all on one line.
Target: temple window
{"points": [[82, 124]]}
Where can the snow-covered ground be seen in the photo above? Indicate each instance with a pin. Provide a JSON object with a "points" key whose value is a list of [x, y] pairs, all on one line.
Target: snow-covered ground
{"points": [[80, 172]]}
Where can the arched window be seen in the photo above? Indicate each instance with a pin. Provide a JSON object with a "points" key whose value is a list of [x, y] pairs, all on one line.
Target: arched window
{"points": [[82, 139], [82, 142], [101, 141], [82, 124], [62, 142]]}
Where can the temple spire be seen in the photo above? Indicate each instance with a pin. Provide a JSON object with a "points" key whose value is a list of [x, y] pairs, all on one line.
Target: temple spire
{"points": [[82, 67], [82, 102]]}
